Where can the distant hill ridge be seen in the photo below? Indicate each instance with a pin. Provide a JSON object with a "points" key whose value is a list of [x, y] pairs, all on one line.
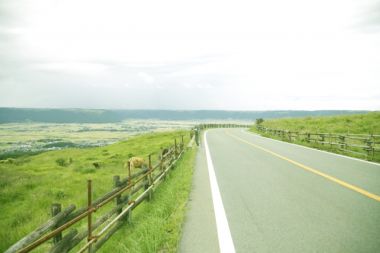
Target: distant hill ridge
{"points": [[9, 115]]}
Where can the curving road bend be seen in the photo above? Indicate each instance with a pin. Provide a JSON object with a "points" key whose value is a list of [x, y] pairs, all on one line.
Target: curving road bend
{"points": [[280, 197]]}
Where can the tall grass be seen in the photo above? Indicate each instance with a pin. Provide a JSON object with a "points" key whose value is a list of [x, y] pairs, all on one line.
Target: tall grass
{"points": [[368, 123], [156, 226], [30, 184]]}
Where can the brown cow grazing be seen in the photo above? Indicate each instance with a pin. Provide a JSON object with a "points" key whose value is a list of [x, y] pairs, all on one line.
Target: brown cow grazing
{"points": [[136, 162]]}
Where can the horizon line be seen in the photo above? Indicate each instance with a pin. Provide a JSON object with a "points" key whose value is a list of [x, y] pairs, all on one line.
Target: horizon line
{"points": [[150, 109]]}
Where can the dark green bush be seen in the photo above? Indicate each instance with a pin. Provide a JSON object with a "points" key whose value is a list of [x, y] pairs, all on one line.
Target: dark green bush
{"points": [[62, 162]]}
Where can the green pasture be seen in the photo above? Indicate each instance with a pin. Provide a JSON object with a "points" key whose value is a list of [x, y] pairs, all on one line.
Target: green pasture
{"points": [[366, 124], [30, 184]]}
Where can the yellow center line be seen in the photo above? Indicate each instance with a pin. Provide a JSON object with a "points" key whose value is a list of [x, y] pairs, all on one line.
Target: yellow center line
{"points": [[307, 168]]}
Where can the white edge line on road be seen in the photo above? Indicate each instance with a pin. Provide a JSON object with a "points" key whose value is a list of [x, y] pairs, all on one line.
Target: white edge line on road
{"points": [[322, 151], [224, 234]]}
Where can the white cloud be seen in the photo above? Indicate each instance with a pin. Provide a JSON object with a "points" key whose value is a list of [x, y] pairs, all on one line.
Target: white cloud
{"points": [[190, 54], [145, 77], [85, 68]]}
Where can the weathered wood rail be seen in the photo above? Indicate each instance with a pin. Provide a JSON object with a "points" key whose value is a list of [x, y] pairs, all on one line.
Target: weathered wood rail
{"points": [[196, 130], [126, 195], [366, 145], [223, 125]]}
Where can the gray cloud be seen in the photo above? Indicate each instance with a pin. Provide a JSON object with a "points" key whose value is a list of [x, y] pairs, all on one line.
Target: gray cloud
{"points": [[175, 68], [368, 17], [374, 12]]}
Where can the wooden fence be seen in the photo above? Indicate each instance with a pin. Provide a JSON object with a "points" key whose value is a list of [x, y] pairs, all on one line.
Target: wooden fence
{"points": [[222, 125], [196, 130], [126, 195], [366, 145]]}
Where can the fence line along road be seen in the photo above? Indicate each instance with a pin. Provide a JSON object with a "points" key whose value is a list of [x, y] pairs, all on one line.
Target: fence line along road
{"points": [[196, 130], [126, 194], [366, 145], [222, 125]]}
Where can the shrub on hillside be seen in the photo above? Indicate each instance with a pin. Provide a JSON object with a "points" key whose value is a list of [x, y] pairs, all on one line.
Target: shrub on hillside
{"points": [[259, 121], [63, 162]]}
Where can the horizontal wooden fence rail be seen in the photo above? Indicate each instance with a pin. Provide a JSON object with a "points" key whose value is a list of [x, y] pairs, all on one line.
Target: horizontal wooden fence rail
{"points": [[366, 145], [127, 194], [196, 130], [222, 125]]}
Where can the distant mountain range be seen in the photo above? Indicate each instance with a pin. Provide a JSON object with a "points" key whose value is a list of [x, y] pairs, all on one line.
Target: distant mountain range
{"points": [[8, 115]]}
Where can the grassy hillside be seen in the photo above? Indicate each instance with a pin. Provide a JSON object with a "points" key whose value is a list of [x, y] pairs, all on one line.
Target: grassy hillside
{"points": [[355, 124], [30, 184], [364, 124]]}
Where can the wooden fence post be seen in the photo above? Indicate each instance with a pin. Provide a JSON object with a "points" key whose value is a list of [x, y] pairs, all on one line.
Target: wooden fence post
{"points": [[116, 184], [175, 149], [89, 216], [342, 141], [373, 146], [162, 160], [331, 140], [129, 172], [370, 149], [128, 215], [148, 179], [56, 209]]}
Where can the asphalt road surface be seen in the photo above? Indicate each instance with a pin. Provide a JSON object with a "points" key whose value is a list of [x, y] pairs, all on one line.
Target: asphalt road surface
{"points": [[279, 197]]}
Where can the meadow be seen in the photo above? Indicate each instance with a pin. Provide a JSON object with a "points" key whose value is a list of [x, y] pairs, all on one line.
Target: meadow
{"points": [[368, 123], [360, 124], [31, 183]]}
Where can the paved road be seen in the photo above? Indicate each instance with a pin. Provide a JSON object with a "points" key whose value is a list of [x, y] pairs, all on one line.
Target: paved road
{"points": [[280, 197]]}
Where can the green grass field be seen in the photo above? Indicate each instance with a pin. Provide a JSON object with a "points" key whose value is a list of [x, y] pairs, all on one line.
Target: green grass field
{"points": [[368, 123], [30, 184], [354, 124]]}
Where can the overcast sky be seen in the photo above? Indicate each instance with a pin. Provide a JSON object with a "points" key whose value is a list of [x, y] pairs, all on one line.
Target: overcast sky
{"points": [[199, 54]]}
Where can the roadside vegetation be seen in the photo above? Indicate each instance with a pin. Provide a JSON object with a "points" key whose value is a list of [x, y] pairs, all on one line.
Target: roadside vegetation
{"points": [[365, 124], [368, 123], [156, 227], [31, 183]]}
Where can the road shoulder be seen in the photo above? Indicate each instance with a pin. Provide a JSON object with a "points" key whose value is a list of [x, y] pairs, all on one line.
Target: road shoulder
{"points": [[199, 230]]}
